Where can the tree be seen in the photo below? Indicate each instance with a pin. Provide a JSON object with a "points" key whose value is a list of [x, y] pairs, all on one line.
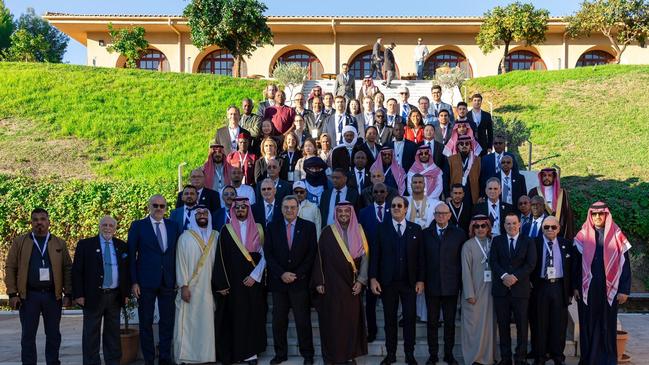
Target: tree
{"points": [[6, 26], [128, 42], [290, 75], [37, 26], [515, 23], [621, 21], [26, 47], [239, 26]]}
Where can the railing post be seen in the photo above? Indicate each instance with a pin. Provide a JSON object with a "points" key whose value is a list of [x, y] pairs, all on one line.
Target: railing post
{"points": [[180, 175], [529, 154]]}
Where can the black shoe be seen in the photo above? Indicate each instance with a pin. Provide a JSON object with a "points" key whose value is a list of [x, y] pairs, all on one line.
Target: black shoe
{"points": [[432, 361], [277, 360], [308, 361], [505, 362], [410, 360], [371, 337], [450, 360], [523, 362], [252, 362], [390, 359]]}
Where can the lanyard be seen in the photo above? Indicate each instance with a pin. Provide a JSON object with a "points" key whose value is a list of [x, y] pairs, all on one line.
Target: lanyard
{"points": [[484, 253], [290, 159], [42, 250], [457, 216], [550, 252]]}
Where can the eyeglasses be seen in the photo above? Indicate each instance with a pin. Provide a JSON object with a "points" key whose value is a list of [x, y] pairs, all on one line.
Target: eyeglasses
{"points": [[380, 191], [266, 189], [506, 162], [436, 92], [397, 205], [158, 206], [300, 191], [499, 142], [228, 193], [598, 214], [272, 167], [482, 226], [442, 213], [379, 116], [240, 207], [547, 228]]}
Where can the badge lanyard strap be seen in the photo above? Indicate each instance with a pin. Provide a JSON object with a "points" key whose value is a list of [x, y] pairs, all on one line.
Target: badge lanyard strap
{"points": [[44, 249]]}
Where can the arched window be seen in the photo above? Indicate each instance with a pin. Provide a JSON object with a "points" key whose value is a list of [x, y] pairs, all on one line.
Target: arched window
{"points": [[451, 58], [304, 59], [592, 58], [523, 60], [219, 62], [361, 65], [153, 60]]}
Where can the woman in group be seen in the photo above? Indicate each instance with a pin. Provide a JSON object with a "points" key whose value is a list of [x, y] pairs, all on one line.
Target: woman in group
{"points": [[354, 108], [309, 149], [268, 151], [478, 321], [325, 148], [415, 127], [289, 157], [300, 130], [267, 130]]}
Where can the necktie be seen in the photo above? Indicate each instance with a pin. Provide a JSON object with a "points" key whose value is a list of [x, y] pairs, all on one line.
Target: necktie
{"points": [[492, 214], [337, 197], [158, 234], [390, 120], [108, 269], [441, 232], [269, 212], [511, 247], [534, 230], [379, 212], [506, 189], [360, 181], [340, 129], [406, 110], [289, 237], [548, 260], [399, 229], [498, 157]]}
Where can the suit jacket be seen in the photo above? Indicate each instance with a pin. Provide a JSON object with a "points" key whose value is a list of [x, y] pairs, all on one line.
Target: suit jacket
{"points": [[361, 120], [464, 217], [483, 208], [383, 263], [484, 133], [259, 211], [370, 222], [343, 88], [208, 197], [370, 157], [409, 151], [340, 157], [520, 264], [442, 106], [388, 60], [219, 218], [352, 180], [455, 172], [317, 122], [385, 135], [178, 216], [149, 266], [88, 271], [331, 126], [565, 247], [411, 108], [519, 188], [223, 137], [283, 188], [377, 54], [442, 264], [397, 119], [488, 168], [298, 259], [261, 110], [527, 227], [443, 138], [367, 198], [329, 195]]}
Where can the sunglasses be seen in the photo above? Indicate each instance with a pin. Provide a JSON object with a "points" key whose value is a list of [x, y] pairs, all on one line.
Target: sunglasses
{"points": [[424, 153], [547, 228], [229, 193], [240, 207], [442, 213], [380, 191], [299, 191], [598, 213], [159, 206], [482, 225], [464, 144], [397, 205]]}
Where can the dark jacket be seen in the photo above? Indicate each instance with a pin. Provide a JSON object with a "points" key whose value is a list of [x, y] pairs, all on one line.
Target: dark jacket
{"points": [[149, 266], [382, 259], [88, 271], [442, 264], [484, 133], [298, 260], [565, 247], [409, 150], [208, 197], [259, 211], [352, 179], [483, 208], [521, 265], [328, 195], [282, 189]]}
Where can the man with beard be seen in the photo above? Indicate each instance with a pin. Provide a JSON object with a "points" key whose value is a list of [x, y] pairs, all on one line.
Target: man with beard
{"points": [[395, 176], [338, 192], [249, 121], [359, 177], [556, 198], [269, 101], [339, 275], [237, 283], [433, 175], [205, 195], [216, 171], [460, 209], [182, 215], [464, 168], [193, 331], [383, 130]]}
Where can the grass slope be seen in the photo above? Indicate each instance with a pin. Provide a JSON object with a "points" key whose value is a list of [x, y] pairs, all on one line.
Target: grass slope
{"points": [[138, 125]]}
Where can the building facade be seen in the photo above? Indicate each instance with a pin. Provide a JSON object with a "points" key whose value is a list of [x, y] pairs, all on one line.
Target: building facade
{"points": [[324, 43]]}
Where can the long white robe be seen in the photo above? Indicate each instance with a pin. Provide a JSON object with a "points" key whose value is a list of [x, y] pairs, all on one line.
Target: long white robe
{"points": [[478, 320], [194, 323]]}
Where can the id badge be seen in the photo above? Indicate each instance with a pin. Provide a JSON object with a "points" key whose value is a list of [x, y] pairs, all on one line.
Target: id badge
{"points": [[552, 272], [44, 274], [314, 133], [487, 276], [291, 175]]}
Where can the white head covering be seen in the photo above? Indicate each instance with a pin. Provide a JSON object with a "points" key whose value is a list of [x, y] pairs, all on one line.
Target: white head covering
{"points": [[193, 225], [350, 145]]}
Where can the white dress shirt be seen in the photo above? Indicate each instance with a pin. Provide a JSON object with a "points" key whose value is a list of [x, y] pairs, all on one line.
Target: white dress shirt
{"points": [[495, 213], [402, 223], [332, 203], [503, 181], [398, 151], [163, 230]]}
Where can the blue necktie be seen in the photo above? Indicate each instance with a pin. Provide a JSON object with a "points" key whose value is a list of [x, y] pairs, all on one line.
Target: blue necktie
{"points": [[108, 266], [534, 230], [158, 234]]}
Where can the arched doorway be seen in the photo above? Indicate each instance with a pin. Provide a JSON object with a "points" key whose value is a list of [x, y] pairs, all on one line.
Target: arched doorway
{"points": [[451, 58], [153, 60], [219, 62], [361, 65], [523, 60], [304, 59], [595, 57]]}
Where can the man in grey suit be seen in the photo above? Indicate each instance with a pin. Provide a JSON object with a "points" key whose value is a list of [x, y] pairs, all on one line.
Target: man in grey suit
{"points": [[345, 84], [317, 122], [377, 59], [270, 100], [389, 65], [437, 104], [227, 136]]}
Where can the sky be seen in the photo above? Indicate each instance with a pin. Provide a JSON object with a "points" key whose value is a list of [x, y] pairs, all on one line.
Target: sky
{"points": [[76, 52]]}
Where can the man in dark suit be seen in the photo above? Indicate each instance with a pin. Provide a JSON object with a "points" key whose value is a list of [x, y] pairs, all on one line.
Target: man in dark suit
{"points": [[481, 123], [512, 260], [461, 209], [271, 90], [206, 196], [437, 105], [389, 65], [443, 127], [152, 248], [290, 251], [404, 150], [512, 182], [227, 135], [267, 209], [397, 274], [343, 155], [490, 163], [337, 121], [392, 115], [551, 281], [404, 106], [222, 215], [182, 215], [316, 123], [377, 60], [493, 207], [100, 285], [359, 176], [533, 228], [337, 193], [345, 83], [441, 248], [384, 131], [370, 218], [282, 187], [367, 196]]}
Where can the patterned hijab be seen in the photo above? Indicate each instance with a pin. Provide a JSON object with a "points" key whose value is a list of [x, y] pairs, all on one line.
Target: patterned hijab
{"points": [[397, 171], [253, 241], [354, 232]]}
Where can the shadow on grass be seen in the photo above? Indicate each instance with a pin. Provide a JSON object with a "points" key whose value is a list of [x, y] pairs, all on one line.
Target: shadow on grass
{"points": [[514, 108]]}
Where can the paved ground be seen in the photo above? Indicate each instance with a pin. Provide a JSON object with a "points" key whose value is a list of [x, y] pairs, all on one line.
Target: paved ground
{"points": [[636, 324]]}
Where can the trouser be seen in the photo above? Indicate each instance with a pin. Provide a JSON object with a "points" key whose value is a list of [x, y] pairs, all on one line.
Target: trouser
{"points": [[448, 305], [167, 311], [389, 77], [552, 315], [108, 308], [504, 307], [370, 313], [35, 304], [377, 68], [299, 302], [419, 66], [391, 296]]}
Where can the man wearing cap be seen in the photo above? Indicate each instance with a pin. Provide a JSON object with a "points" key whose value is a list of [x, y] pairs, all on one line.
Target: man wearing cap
{"points": [[228, 135], [215, 168], [238, 285], [421, 52], [437, 105], [556, 200], [243, 159], [345, 83], [308, 210], [193, 329], [404, 106]]}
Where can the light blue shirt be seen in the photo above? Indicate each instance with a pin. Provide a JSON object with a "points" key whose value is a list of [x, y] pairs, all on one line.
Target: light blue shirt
{"points": [[113, 260], [557, 263]]}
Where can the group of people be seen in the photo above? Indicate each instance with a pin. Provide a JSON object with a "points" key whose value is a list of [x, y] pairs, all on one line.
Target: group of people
{"points": [[331, 206]]}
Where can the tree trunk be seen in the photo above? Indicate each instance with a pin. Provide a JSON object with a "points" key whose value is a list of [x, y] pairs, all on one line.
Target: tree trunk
{"points": [[502, 61], [237, 66]]}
